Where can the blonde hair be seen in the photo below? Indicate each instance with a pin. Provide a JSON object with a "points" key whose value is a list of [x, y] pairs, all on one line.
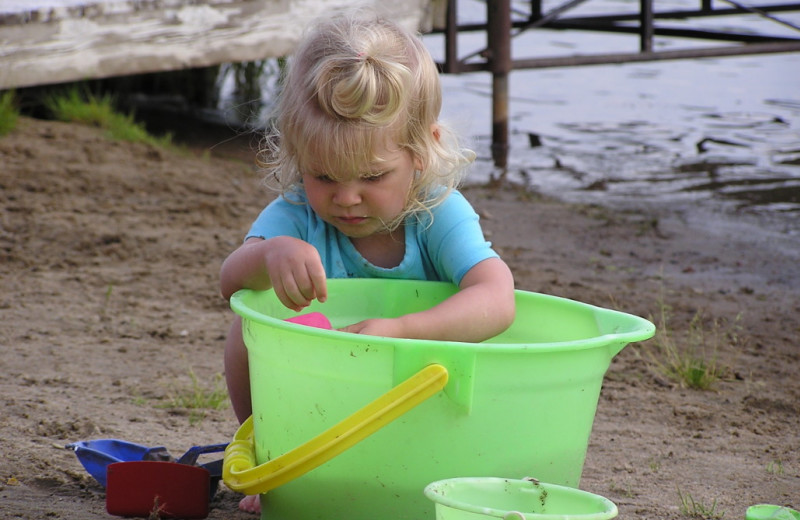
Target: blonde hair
{"points": [[354, 83]]}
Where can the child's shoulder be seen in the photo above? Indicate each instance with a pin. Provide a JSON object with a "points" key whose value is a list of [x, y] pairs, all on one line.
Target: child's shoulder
{"points": [[454, 200], [290, 205], [289, 200], [453, 207]]}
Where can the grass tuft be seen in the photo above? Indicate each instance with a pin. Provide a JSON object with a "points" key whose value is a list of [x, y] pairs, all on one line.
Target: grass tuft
{"points": [[200, 397], [9, 112], [691, 361], [775, 467], [698, 509], [96, 111]]}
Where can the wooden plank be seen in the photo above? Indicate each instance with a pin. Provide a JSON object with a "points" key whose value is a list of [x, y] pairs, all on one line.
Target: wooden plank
{"points": [[105, 38]]}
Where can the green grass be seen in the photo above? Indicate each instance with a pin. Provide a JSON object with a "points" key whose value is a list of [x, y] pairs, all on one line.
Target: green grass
{"points": [[9, 112], [698, 509], [625, 491], [199, 397], [691, 357], [89, 109], [775, 467]]}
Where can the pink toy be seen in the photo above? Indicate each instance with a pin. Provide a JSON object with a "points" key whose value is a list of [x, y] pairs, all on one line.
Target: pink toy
{"points": [[312, 319]]}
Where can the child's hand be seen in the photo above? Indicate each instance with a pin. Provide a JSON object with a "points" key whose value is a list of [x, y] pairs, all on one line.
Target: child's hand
{"points": [[483, 307], [296, 272], [388, 328]]}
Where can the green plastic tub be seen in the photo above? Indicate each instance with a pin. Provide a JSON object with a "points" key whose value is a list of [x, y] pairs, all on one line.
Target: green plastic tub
{"points": [[771, 512], [521, 404], [485, 498]]}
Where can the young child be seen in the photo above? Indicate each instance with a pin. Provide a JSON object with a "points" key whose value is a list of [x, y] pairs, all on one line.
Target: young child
{"points": [[368, 178]]}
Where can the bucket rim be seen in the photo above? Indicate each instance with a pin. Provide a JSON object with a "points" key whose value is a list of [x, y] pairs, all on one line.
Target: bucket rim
{"points": [[640, 330], [431, 492]]}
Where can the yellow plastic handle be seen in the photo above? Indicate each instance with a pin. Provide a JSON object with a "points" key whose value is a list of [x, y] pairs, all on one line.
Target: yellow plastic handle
{"points": [[240, 472]]}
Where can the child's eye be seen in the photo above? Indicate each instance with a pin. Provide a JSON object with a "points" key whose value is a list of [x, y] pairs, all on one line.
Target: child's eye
{"points": [[324, 178], [375, 177]]}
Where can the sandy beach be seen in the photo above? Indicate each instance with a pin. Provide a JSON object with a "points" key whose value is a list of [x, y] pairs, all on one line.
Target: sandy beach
{"points": [[109, 258]]}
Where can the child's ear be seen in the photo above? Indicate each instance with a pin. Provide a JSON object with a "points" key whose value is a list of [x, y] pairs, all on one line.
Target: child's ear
{"points": [[436, 130]]}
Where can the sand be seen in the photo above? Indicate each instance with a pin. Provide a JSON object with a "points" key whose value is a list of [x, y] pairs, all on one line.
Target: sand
{"points": [[109, 257]]}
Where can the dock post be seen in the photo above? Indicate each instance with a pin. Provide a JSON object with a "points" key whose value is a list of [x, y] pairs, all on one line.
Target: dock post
{"points": [[646, 30], [451, 39], [498, 17]]}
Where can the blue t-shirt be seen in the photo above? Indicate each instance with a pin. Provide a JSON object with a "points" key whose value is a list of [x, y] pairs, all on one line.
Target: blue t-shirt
{"points": [[443, 249]]}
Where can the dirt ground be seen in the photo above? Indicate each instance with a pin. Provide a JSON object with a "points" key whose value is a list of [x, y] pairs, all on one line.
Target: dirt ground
{"points": [[109, 256]]}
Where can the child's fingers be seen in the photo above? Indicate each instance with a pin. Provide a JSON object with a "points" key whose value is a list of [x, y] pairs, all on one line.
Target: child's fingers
{"points": [[355, 328], [286, 299], [288, 291], [296, 296], [299, 287], [298, 276], [310, 281], [318, 279], [388, 328]]}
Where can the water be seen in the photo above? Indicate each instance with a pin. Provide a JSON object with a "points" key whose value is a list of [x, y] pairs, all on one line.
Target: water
{"points": [[715, 137]]}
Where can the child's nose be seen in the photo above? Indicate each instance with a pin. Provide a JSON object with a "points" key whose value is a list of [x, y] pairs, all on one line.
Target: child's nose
{"points": [[347, 194]]}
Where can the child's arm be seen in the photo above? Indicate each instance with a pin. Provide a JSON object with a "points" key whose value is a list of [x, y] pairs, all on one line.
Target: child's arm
{"points": [[482, 308], [289, 265]]}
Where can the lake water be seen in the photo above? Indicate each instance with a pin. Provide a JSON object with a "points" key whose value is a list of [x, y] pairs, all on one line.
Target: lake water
{"points": [[717, 138]]}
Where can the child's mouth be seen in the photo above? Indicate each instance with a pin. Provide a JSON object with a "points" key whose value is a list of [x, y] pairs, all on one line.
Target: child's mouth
{"points": [[351, 220]]}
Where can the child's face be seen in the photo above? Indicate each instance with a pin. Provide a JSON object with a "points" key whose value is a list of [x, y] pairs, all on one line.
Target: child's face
{"points": [[362, 205]]}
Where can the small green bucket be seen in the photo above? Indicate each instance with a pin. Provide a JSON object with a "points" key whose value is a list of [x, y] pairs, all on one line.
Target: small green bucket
{"points": [[526, 499], [771, 512], [521, 403]]}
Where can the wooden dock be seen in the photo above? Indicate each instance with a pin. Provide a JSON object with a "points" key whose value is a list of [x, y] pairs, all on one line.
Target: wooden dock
{"points": [[54, 41]]}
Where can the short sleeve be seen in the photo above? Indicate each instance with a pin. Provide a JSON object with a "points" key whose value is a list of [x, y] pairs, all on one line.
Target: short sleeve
{"points": [[455, 241], [281, 218]]}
